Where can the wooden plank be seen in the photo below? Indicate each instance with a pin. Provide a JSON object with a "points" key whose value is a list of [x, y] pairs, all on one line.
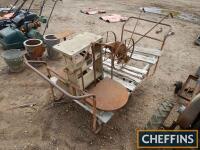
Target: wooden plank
{"points": [[151, 51], [143, 58], [124, 70], [108, 69], [146, 67], [135, 69], [126, 83], [130, 68], [74, 45]]}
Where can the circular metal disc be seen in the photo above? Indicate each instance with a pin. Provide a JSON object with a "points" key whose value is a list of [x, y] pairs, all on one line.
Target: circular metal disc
{"points": [[110, 95]]}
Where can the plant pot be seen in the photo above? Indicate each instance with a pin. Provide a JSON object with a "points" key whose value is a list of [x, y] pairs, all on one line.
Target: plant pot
{"points": [[34, 48], [14, 59], [50, 41]]}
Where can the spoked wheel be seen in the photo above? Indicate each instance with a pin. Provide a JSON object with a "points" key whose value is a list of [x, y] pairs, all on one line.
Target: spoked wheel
{"points": [[130, 45], [128, 51], [120, 52], [123, 52]]}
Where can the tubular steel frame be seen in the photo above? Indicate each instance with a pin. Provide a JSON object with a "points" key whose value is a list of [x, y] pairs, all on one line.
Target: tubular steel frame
{"points": [[54, 85], [162, 41]]}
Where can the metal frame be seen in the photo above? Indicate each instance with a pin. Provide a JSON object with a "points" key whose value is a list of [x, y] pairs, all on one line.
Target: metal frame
{"points": [[54, 85], [162, 41], [114, 75]]}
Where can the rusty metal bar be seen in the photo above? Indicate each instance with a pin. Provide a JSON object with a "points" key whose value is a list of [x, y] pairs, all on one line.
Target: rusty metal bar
{"points": [[58, 87], [152, 28], [151, 21], [82, 79], [52, 84], [163, 43], [147, 21], [153, 38], [51, 87], [135, 26], [94, 62], [113, 33]]}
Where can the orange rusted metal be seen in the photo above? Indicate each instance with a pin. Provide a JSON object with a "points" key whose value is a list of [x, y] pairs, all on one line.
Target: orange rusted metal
{"points": [[110, 95]]}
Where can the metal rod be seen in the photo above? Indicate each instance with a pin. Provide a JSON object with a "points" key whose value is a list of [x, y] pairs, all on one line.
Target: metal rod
{"points": [[42, 7], [94, 123], [82, 79], [153, 38], [133, 45], [163, 43], [58, 87], [150, 21], [47, 24], [152, 28], [18, 9], [13, 6], [52, 84], [30, 6], [112, 64], [94, 62], [147, 20], [51, 87], [135, 27]]}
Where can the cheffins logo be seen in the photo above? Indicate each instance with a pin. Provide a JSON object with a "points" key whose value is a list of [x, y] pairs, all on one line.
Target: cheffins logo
{"points": [[167, 138]]}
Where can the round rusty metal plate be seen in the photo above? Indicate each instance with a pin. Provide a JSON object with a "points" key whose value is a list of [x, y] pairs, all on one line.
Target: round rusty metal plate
{"points": [[110, 95]]}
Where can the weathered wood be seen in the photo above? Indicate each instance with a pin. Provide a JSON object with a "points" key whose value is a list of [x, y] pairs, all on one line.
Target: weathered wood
{"points": [[151, 51], [117, 66], [130, 68], [108, 69], [129, 85], [143, 58], [77, 43]]}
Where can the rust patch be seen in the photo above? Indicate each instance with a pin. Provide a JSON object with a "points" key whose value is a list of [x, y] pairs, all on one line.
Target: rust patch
{"points": [[110, 95]]}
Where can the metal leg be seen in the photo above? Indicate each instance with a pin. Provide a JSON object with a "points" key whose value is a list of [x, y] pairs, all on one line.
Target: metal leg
{"points": [[155, 67], [94, 64], [112, 65], [51, 87], [99, 127], [94, 124]]}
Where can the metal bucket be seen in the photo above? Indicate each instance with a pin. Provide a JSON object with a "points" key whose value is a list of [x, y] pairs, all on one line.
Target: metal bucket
{"points": [[50, 41], [34, 48], [14, 60]]}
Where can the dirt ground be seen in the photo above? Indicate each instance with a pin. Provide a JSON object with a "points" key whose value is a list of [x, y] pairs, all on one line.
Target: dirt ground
{"points": [[67, 126]]}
